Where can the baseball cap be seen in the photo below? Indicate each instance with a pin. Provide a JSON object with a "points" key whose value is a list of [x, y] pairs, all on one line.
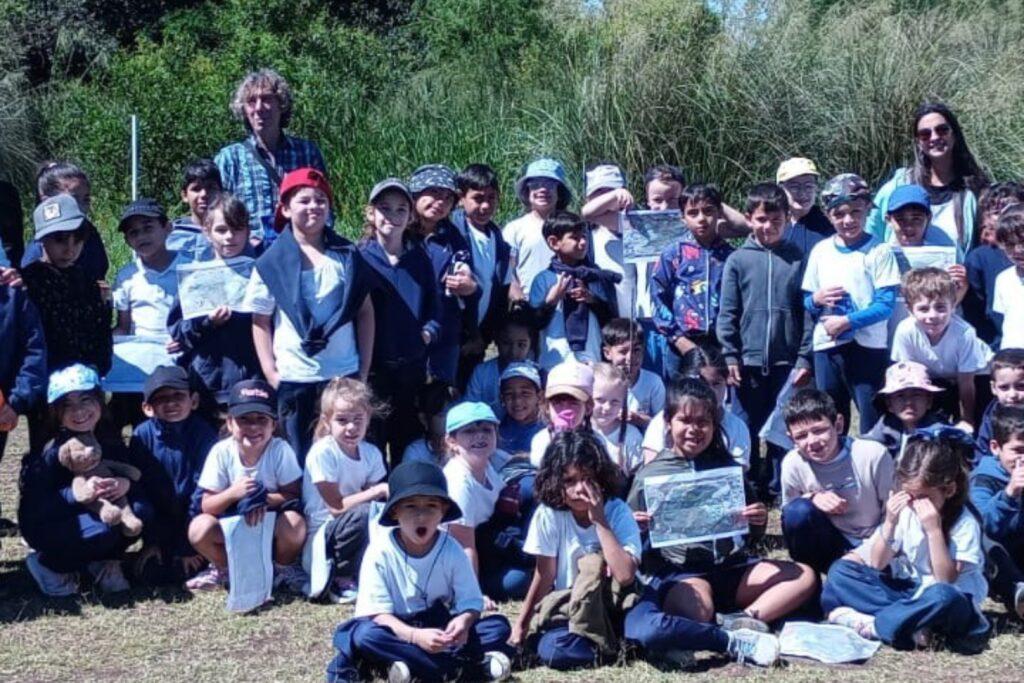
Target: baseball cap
{"points": [[908, 195], [572, 378], [524, 370], [432, 175], [75, 377], [389, 184], [844, 188], [793, 167], [299, 178], [467, 413], [165, 377], [149, 208], [57, 214], [252, 396], [605, 177]]}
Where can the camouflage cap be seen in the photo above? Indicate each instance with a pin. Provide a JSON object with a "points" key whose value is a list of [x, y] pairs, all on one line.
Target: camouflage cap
{"points": [[844, 188]]}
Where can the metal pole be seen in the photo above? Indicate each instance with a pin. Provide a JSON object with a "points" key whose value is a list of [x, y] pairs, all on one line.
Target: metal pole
{"points": [[135, 157]]}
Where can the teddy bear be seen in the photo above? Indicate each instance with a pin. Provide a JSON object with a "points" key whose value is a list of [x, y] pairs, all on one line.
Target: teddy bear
{"points": [[84, 457]]}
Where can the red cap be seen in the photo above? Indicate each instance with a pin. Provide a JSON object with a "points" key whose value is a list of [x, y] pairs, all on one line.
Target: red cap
{"points": [[300, 177]]}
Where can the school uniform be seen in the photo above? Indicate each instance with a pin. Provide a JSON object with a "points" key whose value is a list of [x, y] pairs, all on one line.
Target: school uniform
{"points": [[1008, 301], [809, 230], [485, 386], [276, 467], [906, 596], [93, 259], [425, 592], [314, 331], [1002, 521], [23, 372], [516, 437], [448, 250], [889, 432], [147, 294], [734, 433], [647, 395], [983, 264]]}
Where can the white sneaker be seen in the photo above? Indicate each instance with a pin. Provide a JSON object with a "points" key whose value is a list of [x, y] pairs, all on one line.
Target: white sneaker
{"points": [[863, 624], [51, 583], [497, 665], [108, 577], [291, 577], [737, 620], [750, 646], [399, 673]]}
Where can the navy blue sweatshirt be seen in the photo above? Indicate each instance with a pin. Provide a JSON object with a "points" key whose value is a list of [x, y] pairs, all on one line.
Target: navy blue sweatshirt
{"points": [[23, 374], [983, 264], [1002, 517], [498, 307], [445, 246], [809, 230], [984, 439]]}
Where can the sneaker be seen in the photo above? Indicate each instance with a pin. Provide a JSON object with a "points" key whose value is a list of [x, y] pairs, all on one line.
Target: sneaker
{"points": [[7, 528], [1018, 600], [210, 579], [291, 577], [750, 646], [682, 659], [737, 620], [497, 666], [343, 591], [107, 576], [51, 583], [923, 638], [399, 672], [863, 624]]}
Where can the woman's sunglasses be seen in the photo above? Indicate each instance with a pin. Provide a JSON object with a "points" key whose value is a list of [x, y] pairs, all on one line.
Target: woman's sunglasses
{"points": [[942, 130]]}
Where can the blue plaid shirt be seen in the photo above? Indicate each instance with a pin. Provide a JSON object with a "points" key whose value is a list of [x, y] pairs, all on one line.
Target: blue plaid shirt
{"points": [[244, 176]]}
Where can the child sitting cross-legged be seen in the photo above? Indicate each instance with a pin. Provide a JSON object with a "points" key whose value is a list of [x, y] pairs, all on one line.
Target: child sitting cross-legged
{"points": [[908, 401], [834, 488], [418, 610]]}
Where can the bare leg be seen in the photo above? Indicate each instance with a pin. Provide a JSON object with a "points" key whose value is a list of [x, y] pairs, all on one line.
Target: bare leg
{"points": [[692, 599], [289, 536], [770, 590], [206, 537]]}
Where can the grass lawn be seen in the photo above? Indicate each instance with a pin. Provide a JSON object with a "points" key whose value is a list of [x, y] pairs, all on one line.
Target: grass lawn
{"points": [[169, 634]]}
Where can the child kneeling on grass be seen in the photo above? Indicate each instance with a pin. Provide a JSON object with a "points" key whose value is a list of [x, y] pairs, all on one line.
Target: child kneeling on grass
{"points": [[418, 610]]}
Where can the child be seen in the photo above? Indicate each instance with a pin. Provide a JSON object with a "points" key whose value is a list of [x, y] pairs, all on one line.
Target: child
{"points": [[693, 580], [622, 345], [75, 317], [218, 347], [432, 405], [572, 298], [419, 605], [906, 403], [834, 488], [312, 315], [406, 304], [343, 475], [22, 369], [940, 340], [686, 282], [761, 321], [489, 259], [170, 448], [808, 224], [200, 186], [850, 287], [925, 575], [607, 198], [513, 342], [985, 261], [66, 537], [587, 548], [568, 404], [520, 389], [997, 485], [543, 190], [621, 440], [1007, 384], [248, 473], [1008, 291]]}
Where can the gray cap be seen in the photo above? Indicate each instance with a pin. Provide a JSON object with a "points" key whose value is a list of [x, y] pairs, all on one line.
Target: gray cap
{"points": [[57, 214], [389, 184]]}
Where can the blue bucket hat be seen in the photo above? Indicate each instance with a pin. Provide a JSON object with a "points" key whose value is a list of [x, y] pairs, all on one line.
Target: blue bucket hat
{"points": [[543, 168], [523, 370], [908, 195], [432, 175], [466, 413], [75, 377]]}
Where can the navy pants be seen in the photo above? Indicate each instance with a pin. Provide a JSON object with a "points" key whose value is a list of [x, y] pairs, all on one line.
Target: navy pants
{"points": [[559, 649], [898, 614], [851, 371], [68, 545], [298, 408], [346, 537], [757, 395], [364, 646], [398, 385], [810, 536], [658, 632], [1005, 567]]}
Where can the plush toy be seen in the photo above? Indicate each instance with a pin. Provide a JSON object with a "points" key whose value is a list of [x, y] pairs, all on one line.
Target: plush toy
{"points": [[84, 457]]}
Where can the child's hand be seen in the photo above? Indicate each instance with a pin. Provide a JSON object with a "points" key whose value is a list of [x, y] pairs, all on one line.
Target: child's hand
{"points": [[255, 516], [1016, 485], [958, 274], [623, 199], [801, 376], [835, 325], [11, 277], [172, 346], [756, 514], [219, 316], [829, 296], [558, 290], [457, 631], [595, 503], [581, 293], [119, 488], [432, 640], [642, 519], [8, 418], [735, 376], [894, 506], [829, 502], [460, 283], [242, 487], [926, 513], [516, 639], [964, 426]]}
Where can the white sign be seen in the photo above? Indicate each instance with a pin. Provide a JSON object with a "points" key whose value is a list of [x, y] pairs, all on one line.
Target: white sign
{"points": [[206, 285]]}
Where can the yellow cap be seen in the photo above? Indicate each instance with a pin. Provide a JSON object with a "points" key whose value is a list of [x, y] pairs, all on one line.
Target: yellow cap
{"points": [[791, 168]]}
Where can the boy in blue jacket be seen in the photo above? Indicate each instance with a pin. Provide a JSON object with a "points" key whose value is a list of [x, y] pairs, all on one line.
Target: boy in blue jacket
{"points": [[169, 448], [996, 489]]}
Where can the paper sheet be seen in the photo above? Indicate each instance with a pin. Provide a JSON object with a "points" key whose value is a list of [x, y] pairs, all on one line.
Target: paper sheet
{"points": [[826, 643], [250, 561]]}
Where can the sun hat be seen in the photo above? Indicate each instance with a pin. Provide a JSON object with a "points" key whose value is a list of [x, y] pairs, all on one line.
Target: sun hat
{"points": [[543, 168], [417, 478], [905, 375], [466, 413], [793, 167], [75, 377], [604, 177], [299, 178], [572, 378]]}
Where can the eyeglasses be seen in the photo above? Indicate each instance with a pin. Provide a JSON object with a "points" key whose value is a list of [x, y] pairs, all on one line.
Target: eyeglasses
{"points": [[942, 130], [800, 188]]}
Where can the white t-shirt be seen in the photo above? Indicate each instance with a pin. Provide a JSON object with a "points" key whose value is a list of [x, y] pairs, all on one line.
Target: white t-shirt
{"points": [[555, 533], [633, 456], [327, 462], [647, 396], [149, 294], [476, 500], [485, 256], [340, 358], [277, 466], [530, 250], [912, 560], [485, 386], [608, 255], [734, 431], [860, 272], [538, 445], [1008, 300], [958, 351], [393, 582]]}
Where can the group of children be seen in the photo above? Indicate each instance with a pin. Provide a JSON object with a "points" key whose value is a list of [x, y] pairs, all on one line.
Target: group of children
{"points": [[349, 393]]}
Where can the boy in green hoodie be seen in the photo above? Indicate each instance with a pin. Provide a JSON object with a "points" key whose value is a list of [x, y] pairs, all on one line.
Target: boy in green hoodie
{"points": [[761, 324]]}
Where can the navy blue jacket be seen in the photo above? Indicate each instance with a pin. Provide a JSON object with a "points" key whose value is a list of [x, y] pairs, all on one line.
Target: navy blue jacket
{"points": [[93, 259], [1002, 517], [406, 301], [809, 230], [445, 246], [984, 438], [983, 264], [498, 307], [23, 375]]}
